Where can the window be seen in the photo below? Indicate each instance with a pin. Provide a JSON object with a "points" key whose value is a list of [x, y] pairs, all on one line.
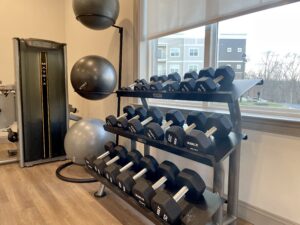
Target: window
{"points": [[194, 52], [174, 68], [272, 54], [174, 52], [161, 53], [161, 69], [253, 51], [193, 67]]}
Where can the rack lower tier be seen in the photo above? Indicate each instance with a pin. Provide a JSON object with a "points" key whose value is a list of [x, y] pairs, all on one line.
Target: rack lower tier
{"points": [[219, 151], [194, 214]]}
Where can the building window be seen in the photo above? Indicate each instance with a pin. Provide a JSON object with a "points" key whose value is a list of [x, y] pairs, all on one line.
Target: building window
{"points": [[229, 50], [174, 68], [193, 67], [161, 69], [239, 50], [238, 66], [193, 52], [161, 53], [174, 52]]}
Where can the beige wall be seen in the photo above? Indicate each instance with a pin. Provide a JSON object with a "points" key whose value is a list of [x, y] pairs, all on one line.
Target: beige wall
{"points": [[27, 18]]}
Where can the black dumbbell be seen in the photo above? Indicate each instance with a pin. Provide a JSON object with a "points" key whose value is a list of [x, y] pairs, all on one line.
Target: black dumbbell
{"points": [[223, 77], [172, 79], [154, 115], [175, 135], [217, 125], [140, 114], [144, 191], [121, 158], [113, 170], [129, 112], [132, 86], [157, 132], [207, 72], [126, 181], [166, 206], [154, 79], [189, 82], [109, 151]]}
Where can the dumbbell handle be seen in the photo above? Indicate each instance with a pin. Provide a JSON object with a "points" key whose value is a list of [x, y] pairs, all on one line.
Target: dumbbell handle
{"points": [[180, 193], [103, 155], [159, 183], [124, 115], [139, 174], [211, 131], [167, 124], [191, 127], [146, 121], [133, 118], [218, 79], [126, 167], [113, 160]]}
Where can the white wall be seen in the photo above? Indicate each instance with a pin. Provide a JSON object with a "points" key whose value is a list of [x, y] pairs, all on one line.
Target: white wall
{"points": [[27, 19]]}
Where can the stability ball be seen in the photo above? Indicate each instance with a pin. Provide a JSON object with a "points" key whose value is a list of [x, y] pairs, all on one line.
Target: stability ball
{"points": [[96, 14], [93, 77], [86, 137]]}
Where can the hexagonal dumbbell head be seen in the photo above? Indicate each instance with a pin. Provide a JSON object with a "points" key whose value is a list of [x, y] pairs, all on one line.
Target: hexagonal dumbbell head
{"points": [[140, 114], [167, 207], [144, 191], [139, 85], [126, 181], [137, 126], [207, 72], [156, 132], [173, 82], [162, 85], [187, 85], [193, 75], [228, 75], [111, 172], [120, 158], [221, 122], [129, 112], [176, 135], [109, 151]]}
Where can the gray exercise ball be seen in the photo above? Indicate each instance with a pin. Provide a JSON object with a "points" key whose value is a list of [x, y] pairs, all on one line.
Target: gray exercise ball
{"points": [[96, 14], [86, 137], [93, 77]]}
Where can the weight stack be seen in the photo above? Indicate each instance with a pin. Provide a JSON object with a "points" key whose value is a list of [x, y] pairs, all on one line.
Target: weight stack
{"points": [[41, 92]]}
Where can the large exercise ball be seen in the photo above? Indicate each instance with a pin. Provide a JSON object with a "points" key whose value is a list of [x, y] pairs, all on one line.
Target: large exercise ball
{"points": [[96, 14], [86, 137], [93, 77]]}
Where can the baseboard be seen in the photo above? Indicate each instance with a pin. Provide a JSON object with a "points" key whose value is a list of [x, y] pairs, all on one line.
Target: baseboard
{"points": [[258, 216]]}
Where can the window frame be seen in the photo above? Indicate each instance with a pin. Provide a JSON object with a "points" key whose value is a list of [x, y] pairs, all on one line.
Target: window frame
{"points": [[176, 56], [194, 48]]}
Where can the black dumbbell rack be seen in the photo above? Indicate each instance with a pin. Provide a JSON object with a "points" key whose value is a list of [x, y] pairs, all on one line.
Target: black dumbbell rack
{"points": [[210, 210]]}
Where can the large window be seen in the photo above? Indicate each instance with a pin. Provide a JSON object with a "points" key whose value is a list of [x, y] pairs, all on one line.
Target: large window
{"points": [[258, 45]]}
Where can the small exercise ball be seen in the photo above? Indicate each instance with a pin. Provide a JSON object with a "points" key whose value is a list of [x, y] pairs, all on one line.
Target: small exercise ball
{"points": [[93, 77], [96, 14], [86, 137]]}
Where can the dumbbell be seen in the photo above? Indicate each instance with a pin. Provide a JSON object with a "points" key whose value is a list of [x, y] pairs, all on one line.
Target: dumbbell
{"points": [[109, 151], [129, 112], [217, 125], [131, 86], [175, 135], [140, 114], [154, 79], [126, 181], [113, 170], [156, 132], [121, 158], [172, 79], [144, 191], [223, 77], [154, 115], [189, 82], [166, 206]]}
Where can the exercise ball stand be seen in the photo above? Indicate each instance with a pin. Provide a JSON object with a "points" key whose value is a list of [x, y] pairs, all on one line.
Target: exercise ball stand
{"points": [[58, 171]]}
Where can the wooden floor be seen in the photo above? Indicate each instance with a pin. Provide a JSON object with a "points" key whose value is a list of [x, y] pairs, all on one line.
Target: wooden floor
{"points": [[34, 196], [3, 151]]}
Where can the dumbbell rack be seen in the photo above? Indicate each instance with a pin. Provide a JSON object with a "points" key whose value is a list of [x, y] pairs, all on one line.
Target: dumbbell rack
{"points": [[210, 210]]}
